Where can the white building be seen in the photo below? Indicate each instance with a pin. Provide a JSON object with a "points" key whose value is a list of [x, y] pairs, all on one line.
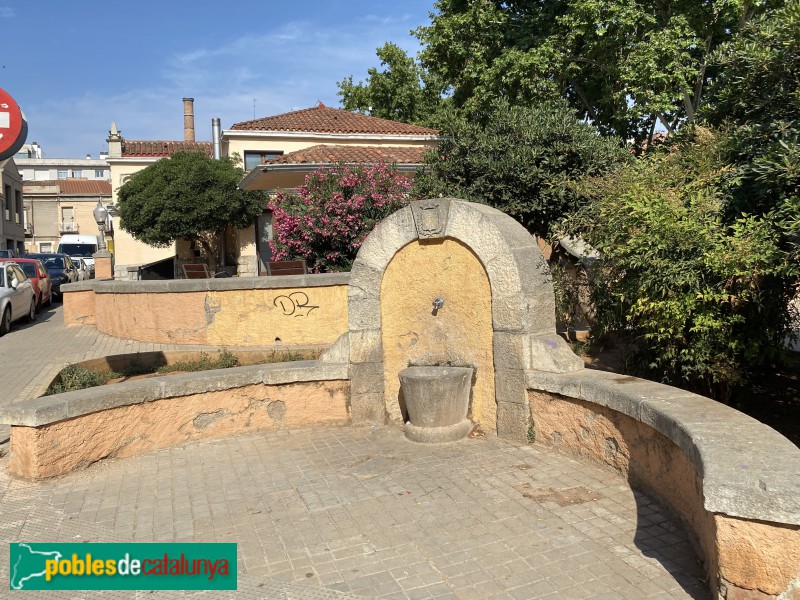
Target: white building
{"points": [[33, 166]]}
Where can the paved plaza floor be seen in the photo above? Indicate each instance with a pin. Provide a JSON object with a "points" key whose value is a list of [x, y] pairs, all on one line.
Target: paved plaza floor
{"points": [[361, 512]]}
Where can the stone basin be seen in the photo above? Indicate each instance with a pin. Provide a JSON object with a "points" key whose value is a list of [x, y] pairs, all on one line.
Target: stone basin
{"points": [[437, 401]]}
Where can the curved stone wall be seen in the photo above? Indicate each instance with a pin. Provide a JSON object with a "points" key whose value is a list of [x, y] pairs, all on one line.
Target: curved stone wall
{"points": [[734, 481], [292, 310], [57, 434]]}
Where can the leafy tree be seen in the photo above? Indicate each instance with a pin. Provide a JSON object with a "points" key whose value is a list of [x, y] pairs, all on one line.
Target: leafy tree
{"points": [[396, 93], [527, 162], [757, 98], [704, 297], [328, 218], [625, 65], [188, 196]]}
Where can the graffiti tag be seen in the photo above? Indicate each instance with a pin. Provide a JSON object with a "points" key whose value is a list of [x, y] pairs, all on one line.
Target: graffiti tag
{"points": [[295, 304]]}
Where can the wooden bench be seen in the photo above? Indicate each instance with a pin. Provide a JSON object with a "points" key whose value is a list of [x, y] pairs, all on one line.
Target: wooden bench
{"points": [[196, 271], [286, 267]]}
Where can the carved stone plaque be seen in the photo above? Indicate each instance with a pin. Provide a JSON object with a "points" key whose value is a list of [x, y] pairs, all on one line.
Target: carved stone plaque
{"points": [[430, 217]]}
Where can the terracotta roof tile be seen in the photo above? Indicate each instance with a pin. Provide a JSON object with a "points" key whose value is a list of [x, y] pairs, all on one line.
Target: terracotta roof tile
{"points": [[161, 148], [324, 119], [324, 154], [73, 186]]}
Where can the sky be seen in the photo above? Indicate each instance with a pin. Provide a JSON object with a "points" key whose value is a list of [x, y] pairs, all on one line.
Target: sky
{"points": [[76, 66]]}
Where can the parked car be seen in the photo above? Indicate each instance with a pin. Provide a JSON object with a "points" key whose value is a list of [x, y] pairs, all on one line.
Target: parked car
{"points": [[17, 299], [9, 253], [40, 279], [61, 268], [83, 269]]}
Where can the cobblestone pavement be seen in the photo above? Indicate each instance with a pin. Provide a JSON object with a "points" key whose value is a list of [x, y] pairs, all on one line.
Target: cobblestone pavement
{"points": [[362, 512], [351, 512]]}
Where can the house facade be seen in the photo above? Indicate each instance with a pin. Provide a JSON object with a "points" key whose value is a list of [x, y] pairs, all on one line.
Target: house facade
{"points": [[12, 215], [277, 152], [126, 157], [49, 169], [60, 207]]}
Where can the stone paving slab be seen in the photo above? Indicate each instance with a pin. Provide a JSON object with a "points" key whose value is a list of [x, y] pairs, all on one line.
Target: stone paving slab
{"points": [[362, 512], [346, 513]]}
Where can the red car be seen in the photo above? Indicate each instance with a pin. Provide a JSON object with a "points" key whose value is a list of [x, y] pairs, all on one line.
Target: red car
{"points": [[40, 278]]}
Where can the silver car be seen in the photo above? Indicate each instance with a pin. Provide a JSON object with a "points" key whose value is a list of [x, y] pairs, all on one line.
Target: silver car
{"points": [[17, 297], [83, 269]]}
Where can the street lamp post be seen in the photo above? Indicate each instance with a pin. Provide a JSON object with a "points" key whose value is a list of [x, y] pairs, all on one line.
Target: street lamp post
{"points": [[103, 260], [101, 217]]}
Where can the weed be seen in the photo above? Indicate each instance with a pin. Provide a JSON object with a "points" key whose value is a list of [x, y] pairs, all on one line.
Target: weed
{"points": [[78, 377], [203, 362]]}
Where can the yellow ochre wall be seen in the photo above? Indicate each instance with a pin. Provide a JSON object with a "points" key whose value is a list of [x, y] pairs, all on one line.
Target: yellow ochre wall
{"points": [[260, 317], [241, 141], [460, 334], [127, 250]]}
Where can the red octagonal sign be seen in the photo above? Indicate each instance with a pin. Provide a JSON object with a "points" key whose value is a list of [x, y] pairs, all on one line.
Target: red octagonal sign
{"points": [[13, 128]]}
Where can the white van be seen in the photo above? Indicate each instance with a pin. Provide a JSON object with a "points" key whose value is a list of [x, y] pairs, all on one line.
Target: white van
{"points": [[80, 246]]}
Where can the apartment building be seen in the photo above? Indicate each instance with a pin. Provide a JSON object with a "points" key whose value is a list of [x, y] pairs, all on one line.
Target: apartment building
{"points": [[62, 206], [12, 214]]}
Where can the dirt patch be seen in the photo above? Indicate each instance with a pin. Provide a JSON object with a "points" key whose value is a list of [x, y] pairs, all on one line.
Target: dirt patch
{"points": [[562, 497]]}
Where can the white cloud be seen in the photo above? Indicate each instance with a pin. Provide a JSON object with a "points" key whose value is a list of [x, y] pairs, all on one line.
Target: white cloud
{"points": [[290, 66]]}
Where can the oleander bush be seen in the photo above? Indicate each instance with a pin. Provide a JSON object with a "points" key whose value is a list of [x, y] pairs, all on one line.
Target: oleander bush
{"points": [[327, 219]]}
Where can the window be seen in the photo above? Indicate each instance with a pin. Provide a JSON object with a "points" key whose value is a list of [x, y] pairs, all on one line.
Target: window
{"points": [[18, 273], [18, 195], [68, 219], [254, 158], [77, 173], [45, 247], [99, 174], [9, 200], [62, 174]]}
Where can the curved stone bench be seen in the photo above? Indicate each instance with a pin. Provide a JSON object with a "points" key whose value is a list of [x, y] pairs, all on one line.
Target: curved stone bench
{"points": [[53, 435], [734, 481]]}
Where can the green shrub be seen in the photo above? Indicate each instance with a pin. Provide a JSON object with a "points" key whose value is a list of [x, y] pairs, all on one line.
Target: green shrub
{"points": [[78, 377], [525, 161], [703, 298]]}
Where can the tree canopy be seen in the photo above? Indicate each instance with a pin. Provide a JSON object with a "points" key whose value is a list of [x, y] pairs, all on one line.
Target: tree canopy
{"points": [[188, 196], [526, 161], [757, 99], [398, 92], [625, 65]]}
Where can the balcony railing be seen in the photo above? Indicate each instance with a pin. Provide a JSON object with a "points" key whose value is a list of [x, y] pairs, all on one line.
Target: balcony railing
{"points": [[68, 227]]}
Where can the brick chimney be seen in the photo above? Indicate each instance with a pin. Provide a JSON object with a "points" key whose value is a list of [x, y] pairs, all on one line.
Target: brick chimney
{"points": [[188, 119]]}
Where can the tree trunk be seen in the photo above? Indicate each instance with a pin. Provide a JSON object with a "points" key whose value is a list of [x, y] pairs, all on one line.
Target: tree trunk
{"points": [[211, 254]]}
